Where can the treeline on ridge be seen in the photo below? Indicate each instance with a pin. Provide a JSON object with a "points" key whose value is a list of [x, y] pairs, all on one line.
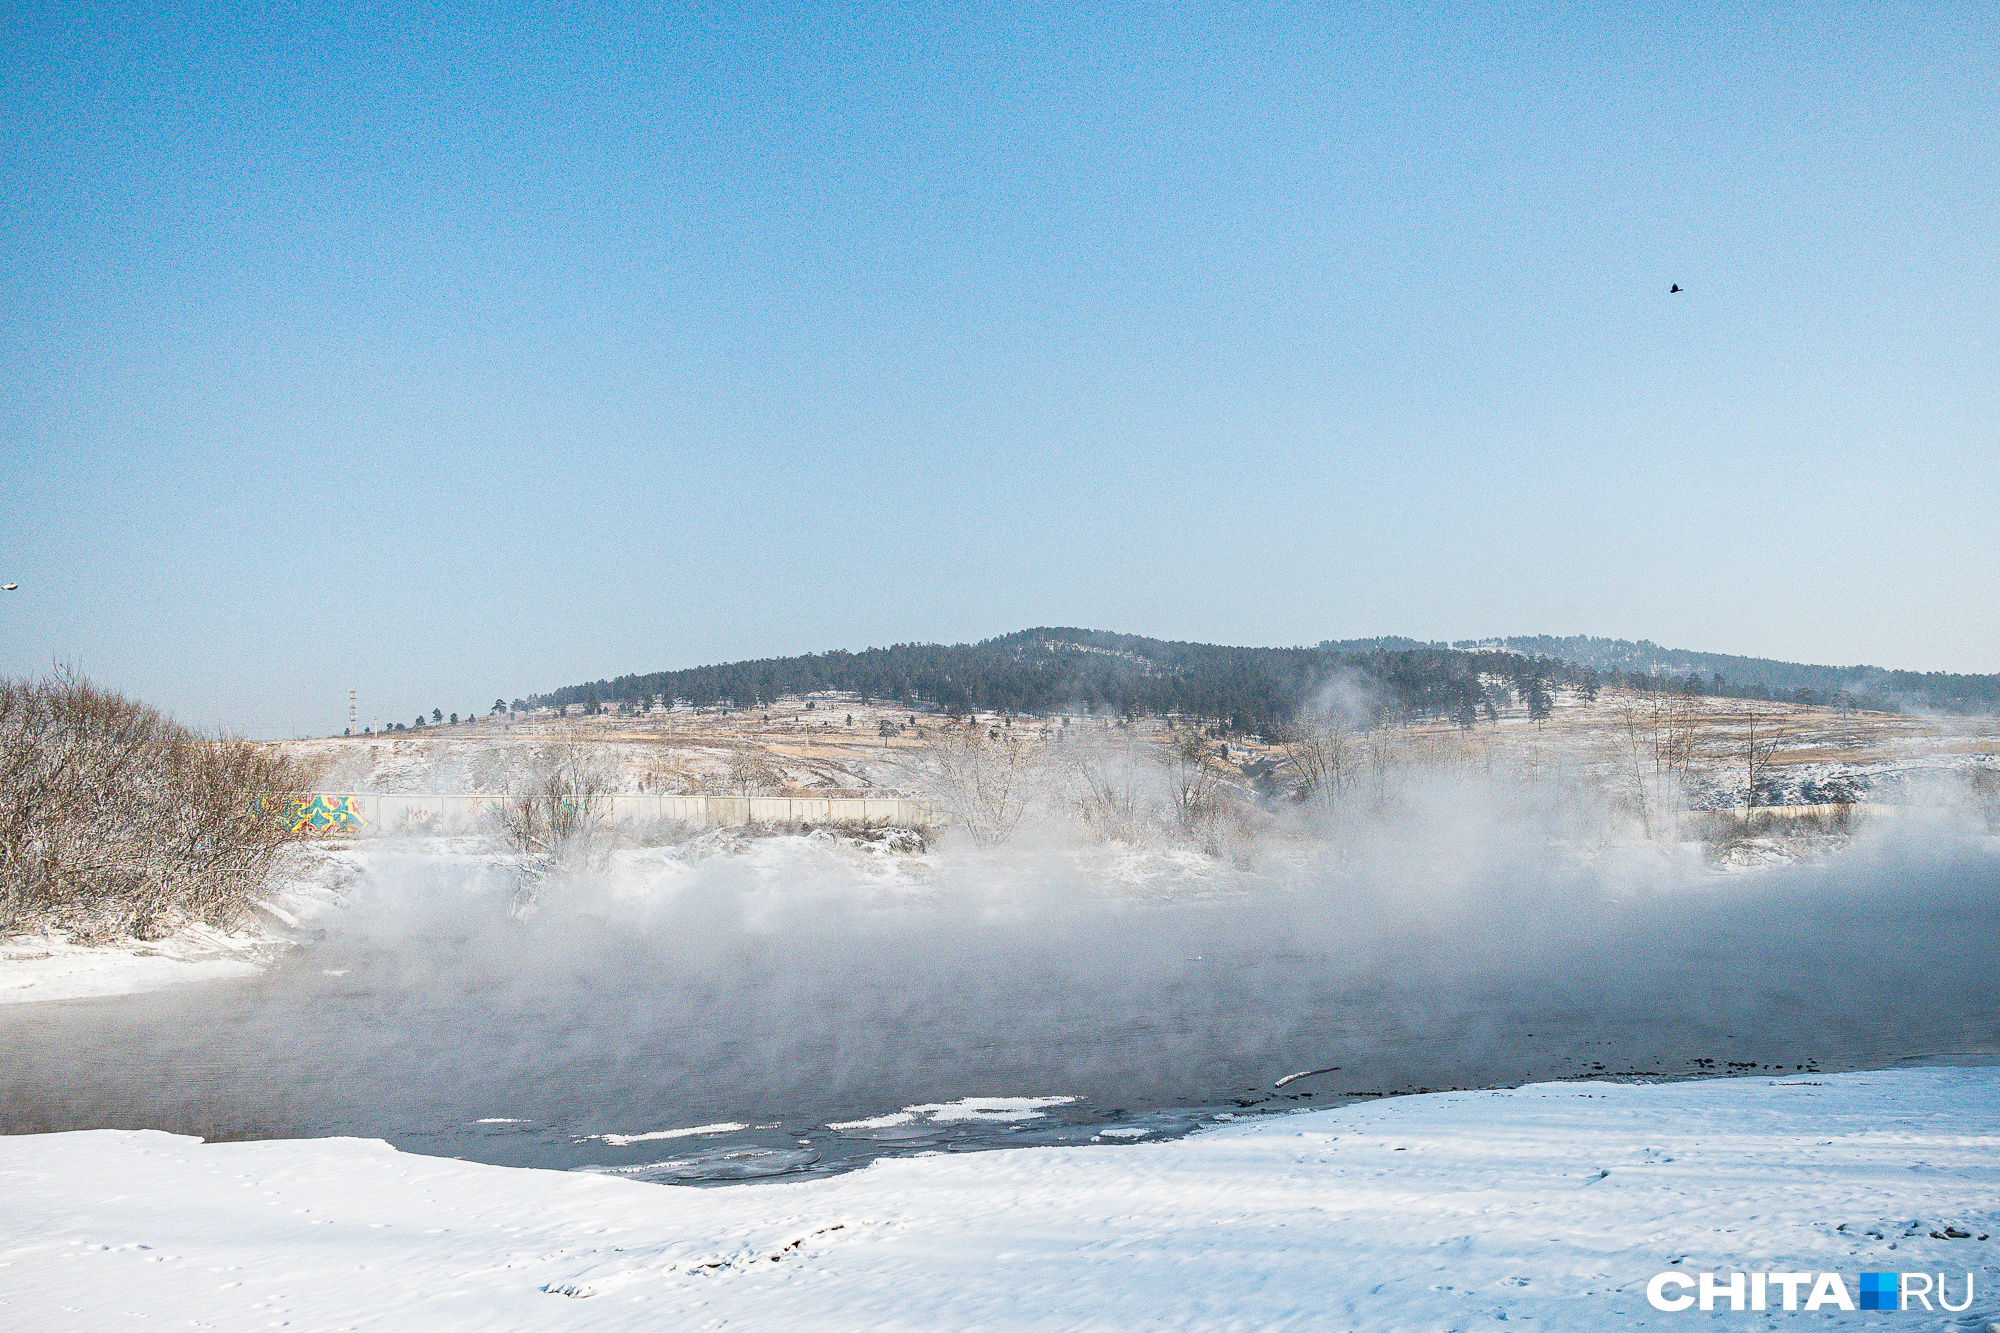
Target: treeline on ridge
{"points": [[1766, 678], [1067, 670]]}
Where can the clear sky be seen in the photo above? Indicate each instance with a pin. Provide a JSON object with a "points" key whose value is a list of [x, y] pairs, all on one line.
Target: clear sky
{"points": [[449, 353]]}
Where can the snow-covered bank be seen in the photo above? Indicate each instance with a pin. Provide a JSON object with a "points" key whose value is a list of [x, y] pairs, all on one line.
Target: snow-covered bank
{"points": [[50, 967], [36, 968], [1552, 1203]]}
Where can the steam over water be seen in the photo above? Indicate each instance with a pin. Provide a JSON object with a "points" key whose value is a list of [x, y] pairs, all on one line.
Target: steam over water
{"points": [[805, 987]]}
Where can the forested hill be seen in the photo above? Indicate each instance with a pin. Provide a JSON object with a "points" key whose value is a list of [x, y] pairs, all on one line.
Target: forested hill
{"points": [[1092, 671], [1761, 677], [1259, 689]]}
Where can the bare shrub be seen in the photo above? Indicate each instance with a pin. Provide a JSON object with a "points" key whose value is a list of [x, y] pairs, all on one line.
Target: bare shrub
{"points": [[751, 772], [665, 831], [980, 778], [114, 819], [1194, 788], [1985, 786], [1135, 790], [558, 816], [1325, 754], [1104, 791]]}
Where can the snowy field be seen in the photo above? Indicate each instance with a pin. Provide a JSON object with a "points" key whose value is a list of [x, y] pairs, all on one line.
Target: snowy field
{"points": [[1548, 1206], [847, 744]]}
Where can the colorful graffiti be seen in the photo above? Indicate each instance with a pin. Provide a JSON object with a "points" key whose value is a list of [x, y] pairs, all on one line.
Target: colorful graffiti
{"points": [[320, 813]]}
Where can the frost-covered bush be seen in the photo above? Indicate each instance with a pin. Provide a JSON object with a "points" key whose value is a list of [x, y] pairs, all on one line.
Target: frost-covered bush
{"points": [[558, 817], [981, 779], [115, 819]]}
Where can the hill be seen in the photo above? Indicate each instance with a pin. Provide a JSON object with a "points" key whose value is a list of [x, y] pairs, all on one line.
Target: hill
{"points": [[1049, 670], [1257, 690], [1761, 677]]}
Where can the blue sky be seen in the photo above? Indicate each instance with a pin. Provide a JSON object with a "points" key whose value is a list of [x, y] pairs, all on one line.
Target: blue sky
{"points": [[453, 353]]}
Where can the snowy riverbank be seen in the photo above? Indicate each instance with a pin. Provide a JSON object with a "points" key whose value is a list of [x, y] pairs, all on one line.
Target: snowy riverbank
{"points": [[46, 967], [1552, 1203], [36, 968]]}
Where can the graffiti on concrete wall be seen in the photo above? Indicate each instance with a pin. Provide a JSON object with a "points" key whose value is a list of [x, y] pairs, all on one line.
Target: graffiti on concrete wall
{"points": [[320, 813], [338, 813]]}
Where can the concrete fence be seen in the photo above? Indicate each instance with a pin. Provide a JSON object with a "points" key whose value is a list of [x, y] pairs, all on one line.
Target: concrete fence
{"points": [[411, 812], [1833, 809]]}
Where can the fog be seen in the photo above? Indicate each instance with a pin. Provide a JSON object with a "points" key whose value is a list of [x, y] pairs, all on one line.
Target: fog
{"points": [[795, 981]]}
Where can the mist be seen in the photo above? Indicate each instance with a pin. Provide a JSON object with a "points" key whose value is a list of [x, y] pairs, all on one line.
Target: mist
{"points": [[793, 982]]}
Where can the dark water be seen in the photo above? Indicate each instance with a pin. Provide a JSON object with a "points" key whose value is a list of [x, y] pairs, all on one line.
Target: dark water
{"points": [[416, 1028]]}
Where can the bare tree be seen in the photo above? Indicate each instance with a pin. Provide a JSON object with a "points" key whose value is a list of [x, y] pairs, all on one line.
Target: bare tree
{"points": [[1384, 756], [558, 817], [1194, 787], [1760, 743], [979, 778], [1659, 729], [1325, 753]]}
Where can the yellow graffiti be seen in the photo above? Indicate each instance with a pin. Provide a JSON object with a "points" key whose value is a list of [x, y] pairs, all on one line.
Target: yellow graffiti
{"points": [[321, 814]]}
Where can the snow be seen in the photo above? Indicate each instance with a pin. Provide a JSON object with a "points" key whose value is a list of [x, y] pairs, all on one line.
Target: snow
{"points": [[625, 1140], [35, 968], [682, 750], [876, 1122], [965, 1108], [50, 967], [1551, 1203], [988, 1108]]}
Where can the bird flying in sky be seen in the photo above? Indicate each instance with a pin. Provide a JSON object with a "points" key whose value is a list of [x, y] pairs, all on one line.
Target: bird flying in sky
{"points": [[1671, 290]]}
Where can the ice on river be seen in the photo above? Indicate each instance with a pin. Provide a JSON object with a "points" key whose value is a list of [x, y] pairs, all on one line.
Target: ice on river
{"points": [[965, 1108]]}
